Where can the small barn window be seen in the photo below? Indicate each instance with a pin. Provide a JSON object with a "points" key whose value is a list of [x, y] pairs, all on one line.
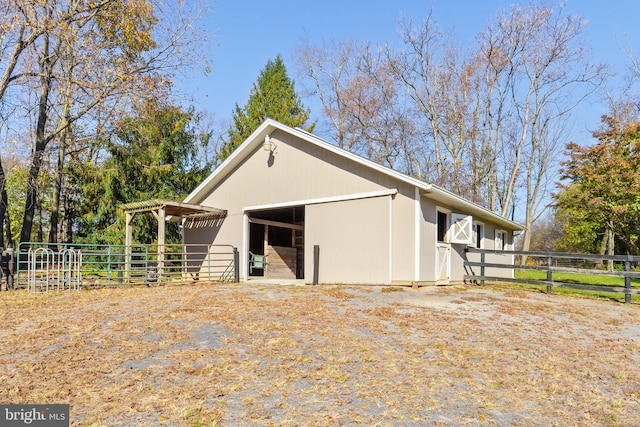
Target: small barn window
{"points": [[443, 226], [461, 229], [478, 235], [501, 240]]}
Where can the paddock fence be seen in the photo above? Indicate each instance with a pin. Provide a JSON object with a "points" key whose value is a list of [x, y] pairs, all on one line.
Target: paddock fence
{"points": [[42, 267], [624, 266]]}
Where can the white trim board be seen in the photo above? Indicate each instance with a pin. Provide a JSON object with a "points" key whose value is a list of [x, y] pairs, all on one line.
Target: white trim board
{"points": [[390, 260], [345, 197], [417, 235]]}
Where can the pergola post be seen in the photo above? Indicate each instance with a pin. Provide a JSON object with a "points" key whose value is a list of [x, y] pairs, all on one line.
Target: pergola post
{"points": [[161, 240], [127, 245], [266, 245]]}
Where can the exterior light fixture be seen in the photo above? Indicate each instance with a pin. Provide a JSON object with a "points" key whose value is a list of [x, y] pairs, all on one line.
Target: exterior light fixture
{"points": [[267, 145]]}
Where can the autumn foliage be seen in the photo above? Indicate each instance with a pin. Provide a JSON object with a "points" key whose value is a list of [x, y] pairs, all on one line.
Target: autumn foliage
{"points": [[603, 183]]}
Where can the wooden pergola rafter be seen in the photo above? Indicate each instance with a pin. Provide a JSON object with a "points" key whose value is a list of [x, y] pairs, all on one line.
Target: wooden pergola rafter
{"points": [[163, 210]]}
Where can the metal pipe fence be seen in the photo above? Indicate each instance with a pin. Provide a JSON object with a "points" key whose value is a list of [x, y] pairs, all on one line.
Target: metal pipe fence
{"points": [[50, 266]]}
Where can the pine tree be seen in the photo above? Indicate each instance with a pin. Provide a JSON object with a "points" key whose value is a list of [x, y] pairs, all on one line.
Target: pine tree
{"points": [[273, 96], [152, 155]]}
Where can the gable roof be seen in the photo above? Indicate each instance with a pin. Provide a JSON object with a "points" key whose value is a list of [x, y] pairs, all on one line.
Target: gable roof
{"points": [[269, 126]]}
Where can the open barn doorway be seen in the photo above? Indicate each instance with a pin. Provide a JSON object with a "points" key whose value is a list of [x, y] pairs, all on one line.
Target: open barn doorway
{"points": [[276, 243]]}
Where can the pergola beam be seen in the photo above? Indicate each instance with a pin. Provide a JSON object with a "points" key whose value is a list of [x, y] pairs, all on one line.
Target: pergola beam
{"points": [[171, 207]]}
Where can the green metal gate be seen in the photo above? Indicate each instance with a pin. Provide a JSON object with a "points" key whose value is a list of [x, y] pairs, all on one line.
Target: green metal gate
{"points": [[117, 265]]}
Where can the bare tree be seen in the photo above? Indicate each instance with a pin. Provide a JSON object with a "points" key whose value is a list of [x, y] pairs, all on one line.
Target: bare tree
{"points": [[553, 77], [92, 59], [419, 68], [492, 118], [332, 75], [22, 23]]}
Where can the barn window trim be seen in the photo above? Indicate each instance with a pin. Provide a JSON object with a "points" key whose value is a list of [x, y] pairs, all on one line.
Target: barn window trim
{"points": [[478, 234]]}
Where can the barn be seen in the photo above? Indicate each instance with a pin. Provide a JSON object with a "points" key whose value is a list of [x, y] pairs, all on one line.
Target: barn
{"points": [[298, 207]]}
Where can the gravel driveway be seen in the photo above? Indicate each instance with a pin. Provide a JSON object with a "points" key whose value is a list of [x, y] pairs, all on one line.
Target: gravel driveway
{"points": [[243, 355]]}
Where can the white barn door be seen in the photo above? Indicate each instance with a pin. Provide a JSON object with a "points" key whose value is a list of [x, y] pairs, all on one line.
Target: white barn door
{"points": [[443, 262]]}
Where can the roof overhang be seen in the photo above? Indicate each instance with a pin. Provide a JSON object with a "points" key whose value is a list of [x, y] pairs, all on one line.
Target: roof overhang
{"points": [[270, 126], [456, 202]]}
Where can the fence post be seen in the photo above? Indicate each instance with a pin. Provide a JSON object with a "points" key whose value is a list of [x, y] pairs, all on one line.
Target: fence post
{"points": [[549, 274], [11, 265], [627, 281], [482, 259], [120, 265], [236, 265], [17, 266], [316, 264], [109, 265]]}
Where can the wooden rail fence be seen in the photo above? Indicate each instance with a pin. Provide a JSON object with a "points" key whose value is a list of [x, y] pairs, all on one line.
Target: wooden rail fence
{"points": [[552, 262]]}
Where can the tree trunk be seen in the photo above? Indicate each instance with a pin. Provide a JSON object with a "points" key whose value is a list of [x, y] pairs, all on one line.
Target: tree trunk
{"points": [[32, 193], [57, 188], [603, 248], [610, 246], [3, 203], [55, 201], [40, 233], [526, 243], [41, 142], [7, 224], [67, 219], [54, 233]]}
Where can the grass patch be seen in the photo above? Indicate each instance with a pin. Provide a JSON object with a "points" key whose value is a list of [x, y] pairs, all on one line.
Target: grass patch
{"points": [[392, 289], [575, 293], [579, 279]]}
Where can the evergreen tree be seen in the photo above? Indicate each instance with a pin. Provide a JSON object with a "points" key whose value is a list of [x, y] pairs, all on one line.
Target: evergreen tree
{"points": [[273, 96], [153, 155]]}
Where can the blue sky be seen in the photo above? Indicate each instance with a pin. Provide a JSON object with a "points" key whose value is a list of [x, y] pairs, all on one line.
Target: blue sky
{"points": [[247, 34]]}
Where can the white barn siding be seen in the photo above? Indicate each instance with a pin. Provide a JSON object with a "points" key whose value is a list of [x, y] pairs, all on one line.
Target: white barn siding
{"points": [[428, 241], [404, 229], [354, 248], [299, 173], [389, 238]]}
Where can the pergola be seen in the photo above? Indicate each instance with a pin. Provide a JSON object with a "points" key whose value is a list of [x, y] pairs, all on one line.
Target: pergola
{"points": [[196, 215]]}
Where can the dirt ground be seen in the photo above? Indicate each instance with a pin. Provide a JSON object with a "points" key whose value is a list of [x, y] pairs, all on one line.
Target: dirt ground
{"points": [[272, 355]]}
